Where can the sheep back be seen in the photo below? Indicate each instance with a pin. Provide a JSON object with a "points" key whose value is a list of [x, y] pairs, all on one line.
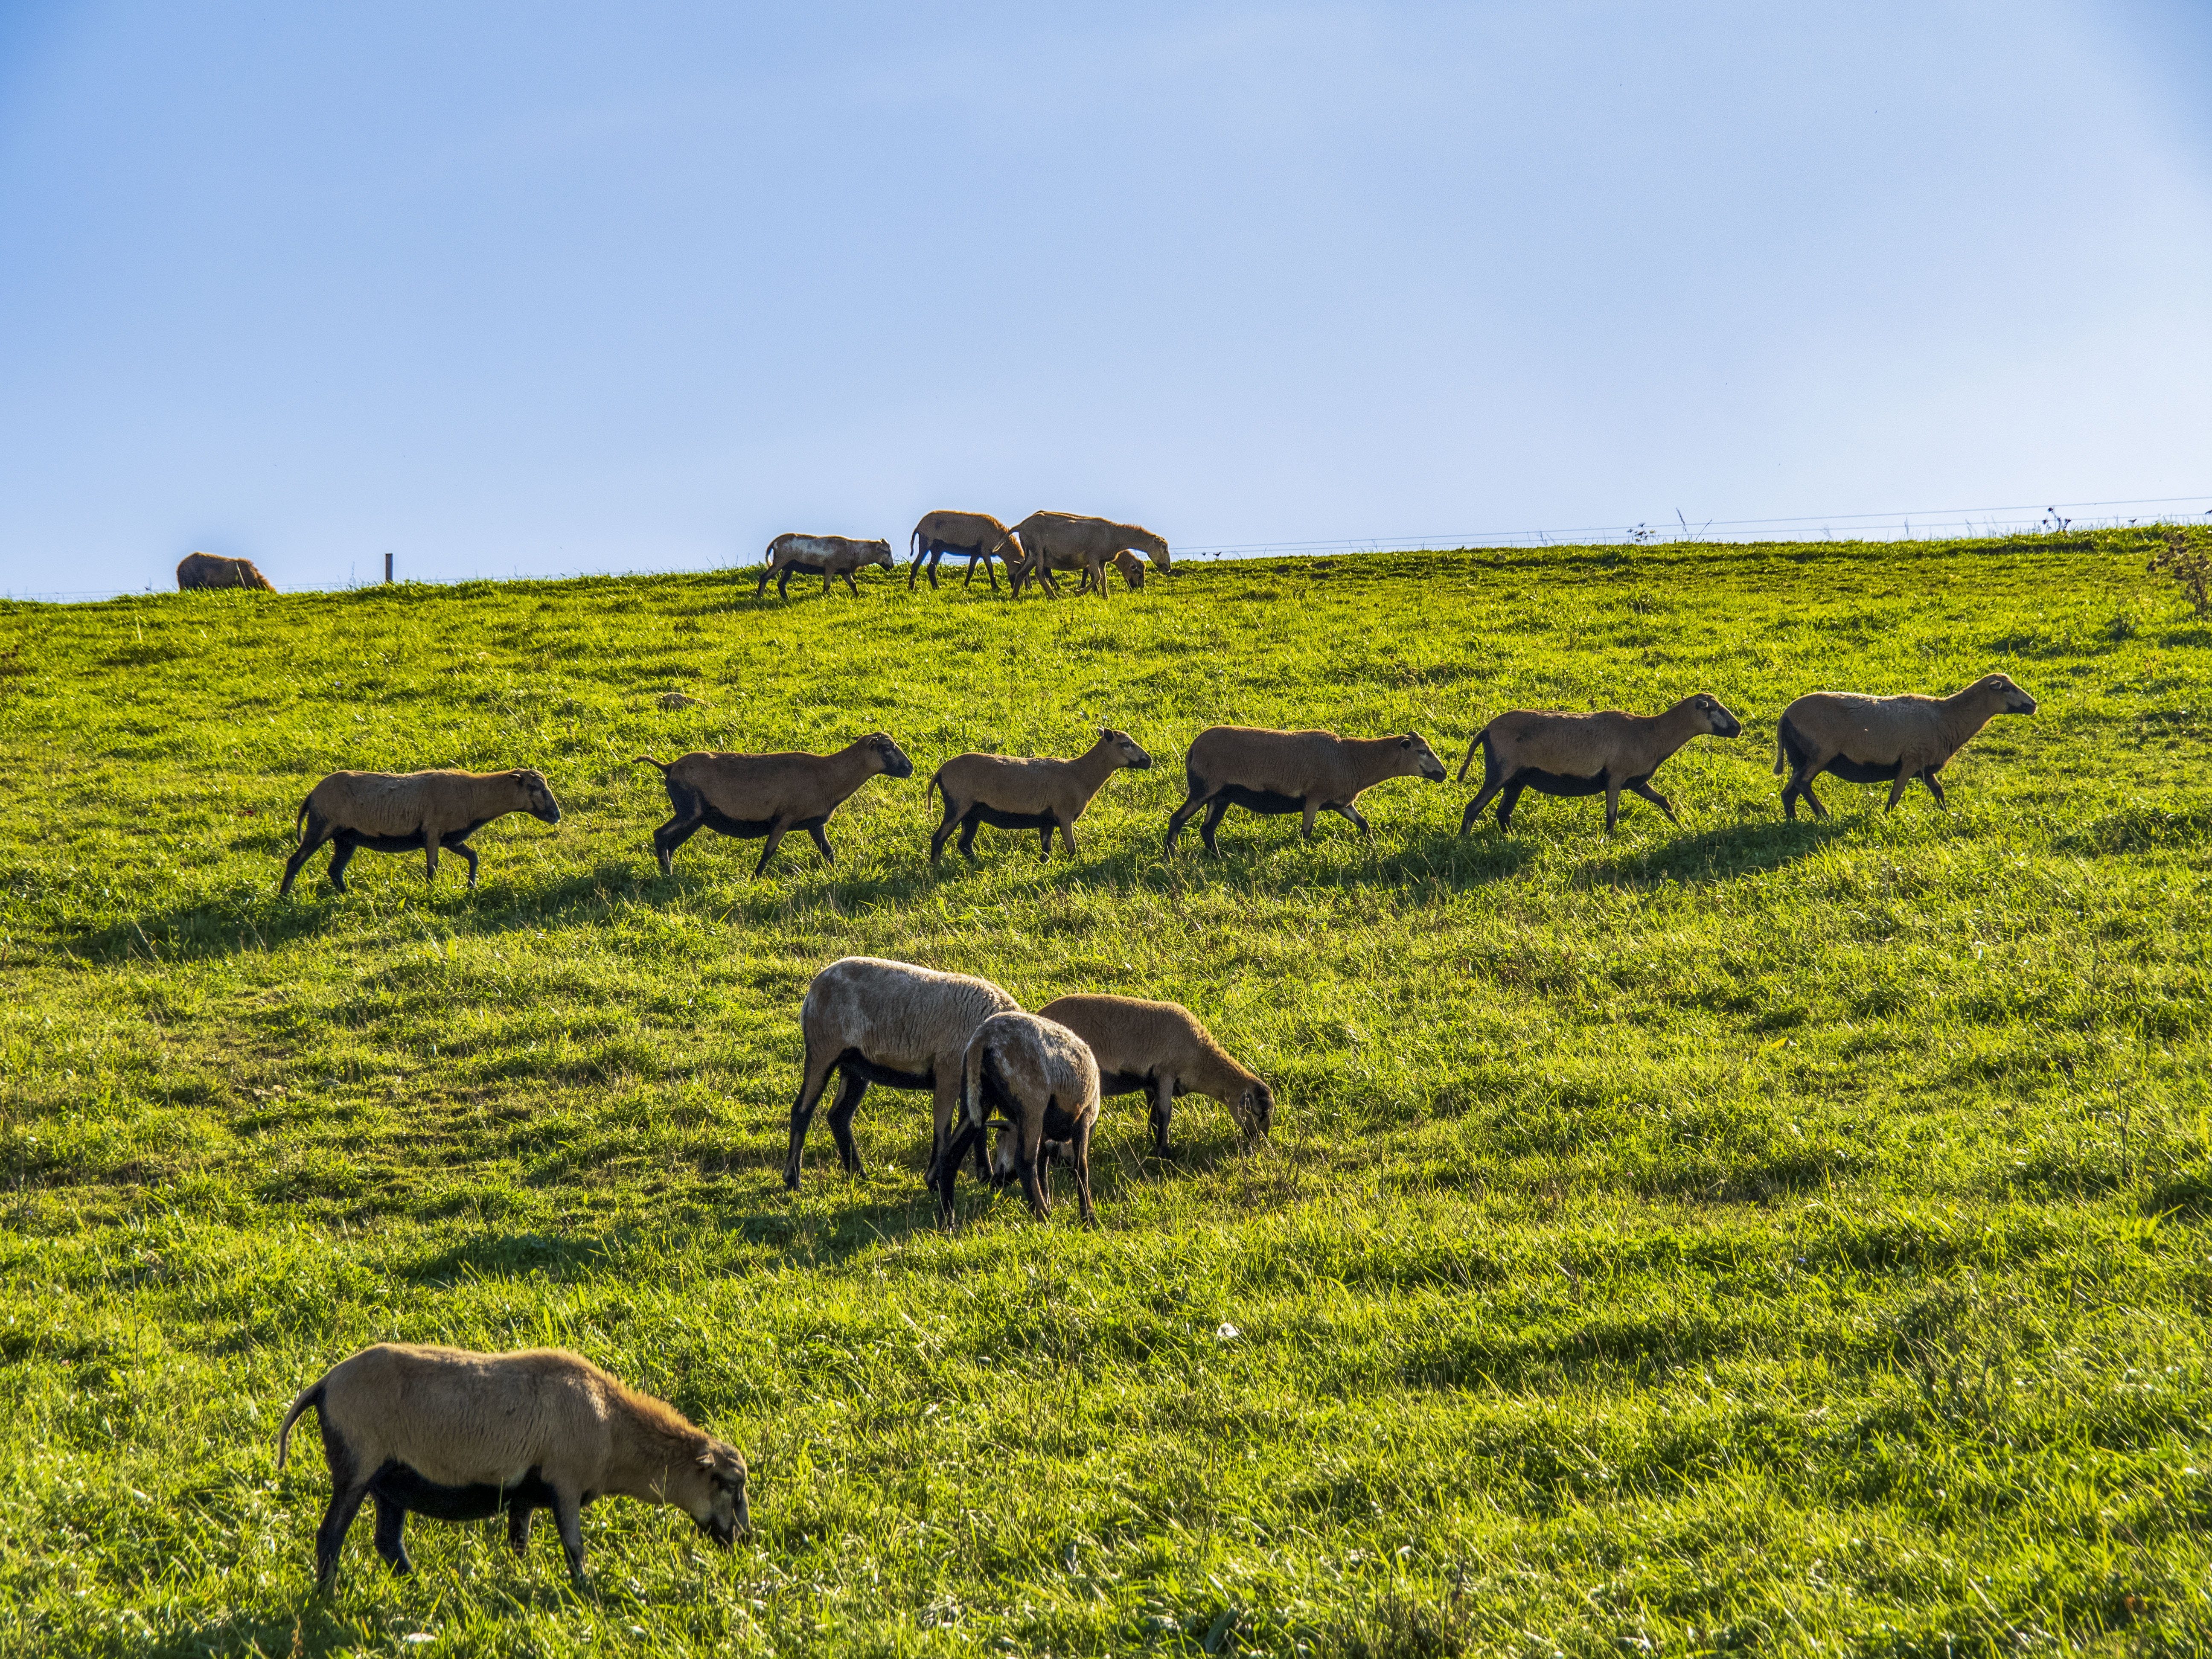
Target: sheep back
{"points": [[401, 805], [896, 1016]]}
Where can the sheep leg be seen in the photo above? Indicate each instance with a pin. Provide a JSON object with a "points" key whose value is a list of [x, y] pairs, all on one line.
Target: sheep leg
{"points": [[1905, 769], [1312, 806], [1163, 1112], [775, 840], [1212, 822], [1067, 834], [760, 587], [1036, 1176], [569, 1516], [339, 859], [1082, 1149], [850, 1088], [988, 571], [349, 1487], [671, 835], [850, 582], [946, 1171], [429, 857], [822, 841], [1927, 777], [1349, 812], [1181, 816], [468, 853], [944, 833], [914, 570], [1657, 800], [1483, 798], [318, 832], [1507, 802], [783, 584], [1612, 803], [1044, 843], [811, 1085], [518, 1527], [390, 1527]]}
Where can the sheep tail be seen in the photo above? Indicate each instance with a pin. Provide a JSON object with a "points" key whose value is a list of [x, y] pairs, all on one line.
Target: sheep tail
{"points": [[311, 1396], [935, 782], [971, 1084], [298, 816], [1781, 751], [1472, 744], [649, 761]]}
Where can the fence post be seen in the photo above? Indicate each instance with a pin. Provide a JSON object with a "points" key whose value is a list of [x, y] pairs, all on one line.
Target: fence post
{"points": [[387, 567]]}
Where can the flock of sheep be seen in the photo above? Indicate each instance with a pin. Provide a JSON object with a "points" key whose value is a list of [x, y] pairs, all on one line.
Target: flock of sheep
{"points": [[460, 1436]]}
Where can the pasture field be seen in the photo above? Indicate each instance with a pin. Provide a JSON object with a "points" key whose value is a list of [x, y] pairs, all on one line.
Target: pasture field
{"points": [[1751, 1236]]}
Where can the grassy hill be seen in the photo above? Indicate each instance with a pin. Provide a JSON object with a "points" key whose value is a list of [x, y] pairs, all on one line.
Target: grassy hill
{"points": [[1747, 1235]]}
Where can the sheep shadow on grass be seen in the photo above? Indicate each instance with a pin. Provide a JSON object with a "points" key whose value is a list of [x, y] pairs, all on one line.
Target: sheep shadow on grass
{"points": [[1711, 855]]}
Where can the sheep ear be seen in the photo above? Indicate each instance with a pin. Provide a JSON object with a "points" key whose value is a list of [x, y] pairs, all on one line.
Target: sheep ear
{"points": [[706, 1460]]}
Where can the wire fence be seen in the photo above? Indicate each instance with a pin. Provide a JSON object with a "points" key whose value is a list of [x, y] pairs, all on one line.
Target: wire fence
{"points": [[1943, 523]]}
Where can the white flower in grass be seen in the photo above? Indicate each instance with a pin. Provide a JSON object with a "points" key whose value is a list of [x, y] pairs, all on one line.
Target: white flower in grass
{"points": [[1226, 1332]]}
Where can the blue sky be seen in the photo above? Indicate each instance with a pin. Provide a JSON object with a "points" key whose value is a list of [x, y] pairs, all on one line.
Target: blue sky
{"points": [[540, 288]]}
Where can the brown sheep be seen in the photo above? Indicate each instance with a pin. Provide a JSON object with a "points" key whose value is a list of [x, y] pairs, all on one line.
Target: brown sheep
{"points": [[402, 811], [892, 1023], [794, 554], [198, 570], [1889, 740], [1131, 567], [975, 535], [1309, 772], [1586, 754], [1027, 794], [462, 1436], [1040, 1076], [1159, 1049], [749, 796], [1056, 541]]}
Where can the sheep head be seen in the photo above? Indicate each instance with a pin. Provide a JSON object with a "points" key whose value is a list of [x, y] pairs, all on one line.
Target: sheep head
{"points": [[537, 798], [890, 757], [1255, 1111], [2007, 698], [1413, 751], [1128, 752], [1718, 721], [713, 1493]]}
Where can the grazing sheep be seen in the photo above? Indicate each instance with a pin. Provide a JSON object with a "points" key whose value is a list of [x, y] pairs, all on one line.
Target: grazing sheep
{"points": [[1307, 772], [1027, 794], [1039, 1075], [198, 570], [749, 796], [402, 811], [1159, 1049], [1586, 754], [1131, 567], [892, 1023], [461, 1436], [825, 557], [1069, 541], [1889, 740], [974, 536]]}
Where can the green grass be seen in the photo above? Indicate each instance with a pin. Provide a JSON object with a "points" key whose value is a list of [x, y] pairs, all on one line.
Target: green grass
{"points": [[1750, 1235]]}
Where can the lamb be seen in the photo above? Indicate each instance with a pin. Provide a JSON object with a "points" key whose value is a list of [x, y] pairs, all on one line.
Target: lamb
{"points": [[461, 1436], [1040, 1076], [198, 570], [1308, 772], [794, 554], [892, 1023], [1586, 755], [1159, 1049], [1026, 794], [401, 811], [749, 796], [1057, 541], [975, 535], [1889, 740], [1131, 567]]}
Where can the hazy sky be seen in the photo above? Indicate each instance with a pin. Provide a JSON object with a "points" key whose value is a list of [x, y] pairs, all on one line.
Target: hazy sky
{"points": [[542, 287]]}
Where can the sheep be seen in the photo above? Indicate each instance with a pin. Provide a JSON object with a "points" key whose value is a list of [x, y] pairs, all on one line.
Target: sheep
{"points": [[1057, 541], [1026, 794], [976, 535], [794, 554], [892, 1023], [1586, 755], [1308, 772], [401, 811], [1041, 1078], [1131, 567], [462, 1435], [749, 796], [1889, 740], [198, 570], [1159, 1049]]}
